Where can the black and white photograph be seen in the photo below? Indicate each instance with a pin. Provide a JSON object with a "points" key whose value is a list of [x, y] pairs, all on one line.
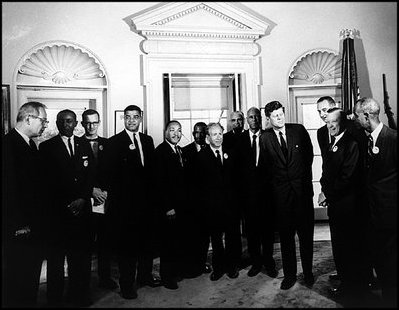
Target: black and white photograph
{"points": [[199, 154]]}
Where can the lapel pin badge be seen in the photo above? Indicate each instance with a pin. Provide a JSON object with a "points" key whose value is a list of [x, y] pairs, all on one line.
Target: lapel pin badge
{"points": [[225, 156], [100, 147], [86, 163], [376, 150], [131, 146], [335, 148]]}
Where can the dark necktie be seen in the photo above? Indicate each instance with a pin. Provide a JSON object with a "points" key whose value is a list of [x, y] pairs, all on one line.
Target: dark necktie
{"points": [[369, 150], [219, 158], [70, 147], [331, 142], [136, 145], [94, 147], [177, 149], [254, 148], [283, 145], [32, 145]]}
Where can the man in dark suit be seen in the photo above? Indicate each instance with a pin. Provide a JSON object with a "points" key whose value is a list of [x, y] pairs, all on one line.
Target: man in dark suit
{"points": [[382, 194], [90, 122], [237, 122], [258, 215], [286, 159], [127, 167], [198, 243], [323, 137], [215, 171], [341, 186], [22, 208], [68, 160], [170, 178]]}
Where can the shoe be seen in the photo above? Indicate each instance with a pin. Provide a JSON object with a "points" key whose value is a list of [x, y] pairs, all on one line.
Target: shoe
{"points": [[207, 268], [170, 284], [234, 273], [108, 284], [129, 294], [151, 282], [271, 272], [334, 277], [287, 283], [309, 280], [255, 269], [216, 275]]}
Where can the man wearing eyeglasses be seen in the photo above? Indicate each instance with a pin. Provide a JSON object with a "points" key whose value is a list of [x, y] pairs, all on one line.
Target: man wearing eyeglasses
{"points": [[127, 167], [90, 123], [68, 162], [22, 208]]}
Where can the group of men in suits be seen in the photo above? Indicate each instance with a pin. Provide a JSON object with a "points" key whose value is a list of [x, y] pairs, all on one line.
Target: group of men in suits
{"points": [[205, 191]]}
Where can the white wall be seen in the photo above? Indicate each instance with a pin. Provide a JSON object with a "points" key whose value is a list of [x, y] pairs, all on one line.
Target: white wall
{"points": [[300, 27]]}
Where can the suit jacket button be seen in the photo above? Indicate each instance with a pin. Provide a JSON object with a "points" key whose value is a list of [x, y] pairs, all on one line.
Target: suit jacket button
{"points": [[76, 179]]}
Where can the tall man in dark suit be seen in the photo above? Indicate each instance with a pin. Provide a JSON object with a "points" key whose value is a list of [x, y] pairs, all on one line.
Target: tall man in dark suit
{"points": [[171, 188], [22, 208], [69, 160], [127, 170], [341, 186], [90, 123], [258, 214], [215, 170], [198, 243], [286, 158], [382, 194], [237, 122]]}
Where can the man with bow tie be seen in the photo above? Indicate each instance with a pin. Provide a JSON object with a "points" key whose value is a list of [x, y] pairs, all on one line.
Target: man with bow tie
{"points": [[219, 210], [68, 162], [22, 208]]}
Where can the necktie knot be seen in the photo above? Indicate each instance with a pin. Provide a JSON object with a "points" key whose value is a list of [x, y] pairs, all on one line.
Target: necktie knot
{"points": [[219, 157], [32, 144], [70, 147], [178, 152], [283, 145]]}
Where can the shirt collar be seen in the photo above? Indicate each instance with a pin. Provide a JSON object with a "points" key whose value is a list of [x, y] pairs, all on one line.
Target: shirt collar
{"points": [[376, 132], [65, 138], [26, 138], [214, 150], [276, 131], [171, 145], [251, 133], [339, 137]]}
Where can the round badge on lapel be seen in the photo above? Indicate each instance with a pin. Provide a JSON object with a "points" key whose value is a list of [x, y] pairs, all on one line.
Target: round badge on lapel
{"points": [[376, 150], [225, 156], [335, 148], [86, 163], [100, 147], [131, 146]]}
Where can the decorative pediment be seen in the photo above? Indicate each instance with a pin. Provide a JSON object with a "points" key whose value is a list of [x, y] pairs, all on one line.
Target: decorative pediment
{"points": [[61, 63], [201, 20]]}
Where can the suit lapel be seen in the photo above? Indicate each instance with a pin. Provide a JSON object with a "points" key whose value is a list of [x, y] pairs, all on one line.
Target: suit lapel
{"points": [[277, 147], [290, 142]]}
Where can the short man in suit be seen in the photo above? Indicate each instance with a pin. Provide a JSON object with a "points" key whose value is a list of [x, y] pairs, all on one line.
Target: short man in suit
{"points": [[341, 186], [127, 167], [90, 123], [171, 189], [215, 170], [237, 123], [22, 208], [286, 158], [382, 194], [258, 215], [199, 243], [69, 160]]}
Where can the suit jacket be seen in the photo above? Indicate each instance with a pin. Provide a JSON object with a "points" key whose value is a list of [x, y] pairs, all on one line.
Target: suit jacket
{"points": [[98, 180], [341, 170], [291, 176], [170, 180], [22, 188], [215, 184], [323, 140], [69, 179], [382, 178], [125, 177]]}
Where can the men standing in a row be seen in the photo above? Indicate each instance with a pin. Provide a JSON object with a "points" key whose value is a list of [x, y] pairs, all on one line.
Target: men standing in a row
{"points": [[257, 212], [287, 156], [127, 174], [171, 190], [90, 123], [215, 170], [22, 208], [199, 243], [382, 194], [230, 138], [340, 184], [68, 161]]}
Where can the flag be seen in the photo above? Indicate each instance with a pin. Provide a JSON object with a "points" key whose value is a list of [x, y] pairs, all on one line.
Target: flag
{"points": [[350, 90]]}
